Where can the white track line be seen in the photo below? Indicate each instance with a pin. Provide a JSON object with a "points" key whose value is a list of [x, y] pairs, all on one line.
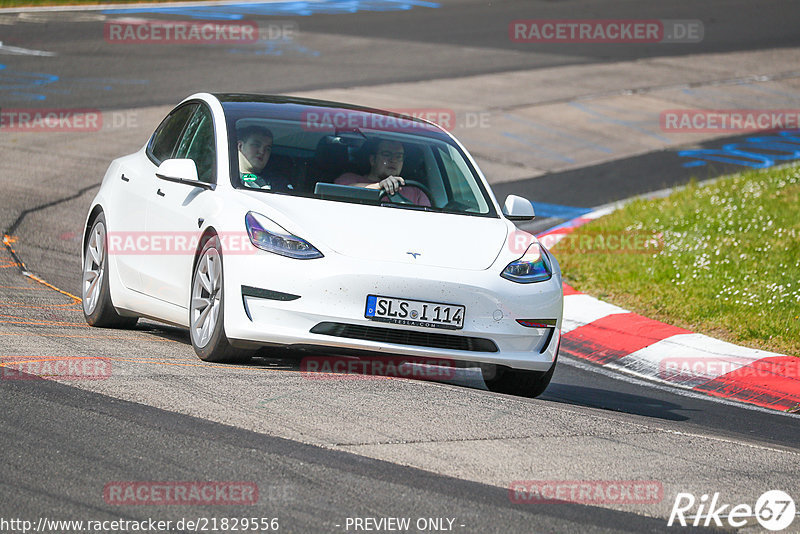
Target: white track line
{"points": [[16, 50]]}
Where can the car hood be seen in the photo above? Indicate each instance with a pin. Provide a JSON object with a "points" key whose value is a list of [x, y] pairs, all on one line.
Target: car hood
{"points": [[389, 234]]}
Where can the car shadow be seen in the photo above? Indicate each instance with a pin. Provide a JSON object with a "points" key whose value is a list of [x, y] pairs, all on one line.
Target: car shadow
{"points": [[164, 331], [330, 361], [614, 401], [460, 374]]}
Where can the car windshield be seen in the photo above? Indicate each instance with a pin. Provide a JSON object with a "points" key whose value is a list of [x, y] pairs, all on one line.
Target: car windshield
{"points": [[334, 154]]}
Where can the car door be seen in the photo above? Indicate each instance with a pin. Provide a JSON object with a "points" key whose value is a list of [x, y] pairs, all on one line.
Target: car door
{"points": [[128, 210], [175, 213]]}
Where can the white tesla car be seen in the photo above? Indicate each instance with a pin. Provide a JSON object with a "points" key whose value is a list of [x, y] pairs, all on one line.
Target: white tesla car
{"points": [[267, 221]]}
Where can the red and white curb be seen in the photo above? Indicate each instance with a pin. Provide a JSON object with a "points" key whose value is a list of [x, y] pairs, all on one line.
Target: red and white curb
{"points": [[616, 338]]}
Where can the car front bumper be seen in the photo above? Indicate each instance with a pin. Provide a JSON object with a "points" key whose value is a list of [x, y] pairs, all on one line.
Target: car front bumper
{"points": [[333, 291]]}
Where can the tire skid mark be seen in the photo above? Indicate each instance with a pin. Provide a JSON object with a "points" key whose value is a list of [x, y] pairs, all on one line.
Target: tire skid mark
{"points": [[8, 264], [45, 323], [17, 359], [76, 300], [128, 338], [72, 306], [9, 239], [45, 319], [50, 306], [28, 288]]}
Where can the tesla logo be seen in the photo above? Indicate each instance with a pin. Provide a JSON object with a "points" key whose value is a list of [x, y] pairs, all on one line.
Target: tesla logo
{"points": [[415, 254]]}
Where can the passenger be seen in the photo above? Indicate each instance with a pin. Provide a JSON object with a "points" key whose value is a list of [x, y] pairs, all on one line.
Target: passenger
{"points": [[255, 147], [386, 163]]}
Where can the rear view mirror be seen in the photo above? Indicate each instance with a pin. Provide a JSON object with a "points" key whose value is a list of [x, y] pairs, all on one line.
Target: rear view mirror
{"points": [[518, 208]]}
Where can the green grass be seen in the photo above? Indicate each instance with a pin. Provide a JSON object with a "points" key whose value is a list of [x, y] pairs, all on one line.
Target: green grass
{"points": [[729, 264]]}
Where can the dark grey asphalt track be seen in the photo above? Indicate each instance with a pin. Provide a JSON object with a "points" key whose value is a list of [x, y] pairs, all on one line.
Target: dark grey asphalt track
{"points": [[460, 38], [597, 185], [580, 386], [61, 444]]}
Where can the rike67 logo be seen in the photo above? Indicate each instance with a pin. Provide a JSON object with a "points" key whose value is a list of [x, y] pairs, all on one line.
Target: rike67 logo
{"points": [[774, 510]]}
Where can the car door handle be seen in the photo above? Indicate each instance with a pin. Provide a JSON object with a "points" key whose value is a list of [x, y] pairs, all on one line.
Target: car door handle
{"points": [[125, 178], [160, 193]]}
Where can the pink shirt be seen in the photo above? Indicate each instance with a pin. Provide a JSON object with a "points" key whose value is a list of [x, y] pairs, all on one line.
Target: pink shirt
{"points": [[412, 193]]}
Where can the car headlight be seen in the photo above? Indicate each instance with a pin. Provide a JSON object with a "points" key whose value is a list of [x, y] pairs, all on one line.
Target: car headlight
{"points": [[268, 235], [533, 266]]}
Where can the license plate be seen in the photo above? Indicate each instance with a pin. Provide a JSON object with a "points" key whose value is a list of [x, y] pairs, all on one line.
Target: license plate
{"points": [[415, 312]]}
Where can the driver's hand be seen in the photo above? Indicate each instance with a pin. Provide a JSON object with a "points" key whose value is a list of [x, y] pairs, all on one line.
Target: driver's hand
{"points": [[392, 184]]}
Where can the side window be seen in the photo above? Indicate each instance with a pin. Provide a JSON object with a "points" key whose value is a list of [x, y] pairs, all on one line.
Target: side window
{"points": [[163, 141], [197, 144]]}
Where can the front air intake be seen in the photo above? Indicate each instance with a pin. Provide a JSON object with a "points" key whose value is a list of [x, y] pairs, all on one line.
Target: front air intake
{"points": [[405, 337]]}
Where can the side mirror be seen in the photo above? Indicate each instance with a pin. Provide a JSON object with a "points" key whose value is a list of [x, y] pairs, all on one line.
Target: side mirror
{"points": [[182, 171], [518, 209]]}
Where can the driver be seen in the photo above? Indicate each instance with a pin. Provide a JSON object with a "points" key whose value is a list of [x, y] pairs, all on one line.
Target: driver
{"points": [[386, 162], [255, 147]]}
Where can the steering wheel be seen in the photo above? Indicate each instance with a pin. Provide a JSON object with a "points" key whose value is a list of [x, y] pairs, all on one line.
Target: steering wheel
{"points": [[400, 199]]}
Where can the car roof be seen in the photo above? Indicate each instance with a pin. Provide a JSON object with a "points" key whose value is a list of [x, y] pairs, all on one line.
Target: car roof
{"points": [[297, 109]]}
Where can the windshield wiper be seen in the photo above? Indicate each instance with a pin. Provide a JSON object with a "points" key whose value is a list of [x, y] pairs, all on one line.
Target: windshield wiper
{"points": [[407, 206]]}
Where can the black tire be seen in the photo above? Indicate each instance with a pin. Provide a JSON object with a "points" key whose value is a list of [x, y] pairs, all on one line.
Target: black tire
{"points": [[208, 338], [98, 309], [519, 382]]}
